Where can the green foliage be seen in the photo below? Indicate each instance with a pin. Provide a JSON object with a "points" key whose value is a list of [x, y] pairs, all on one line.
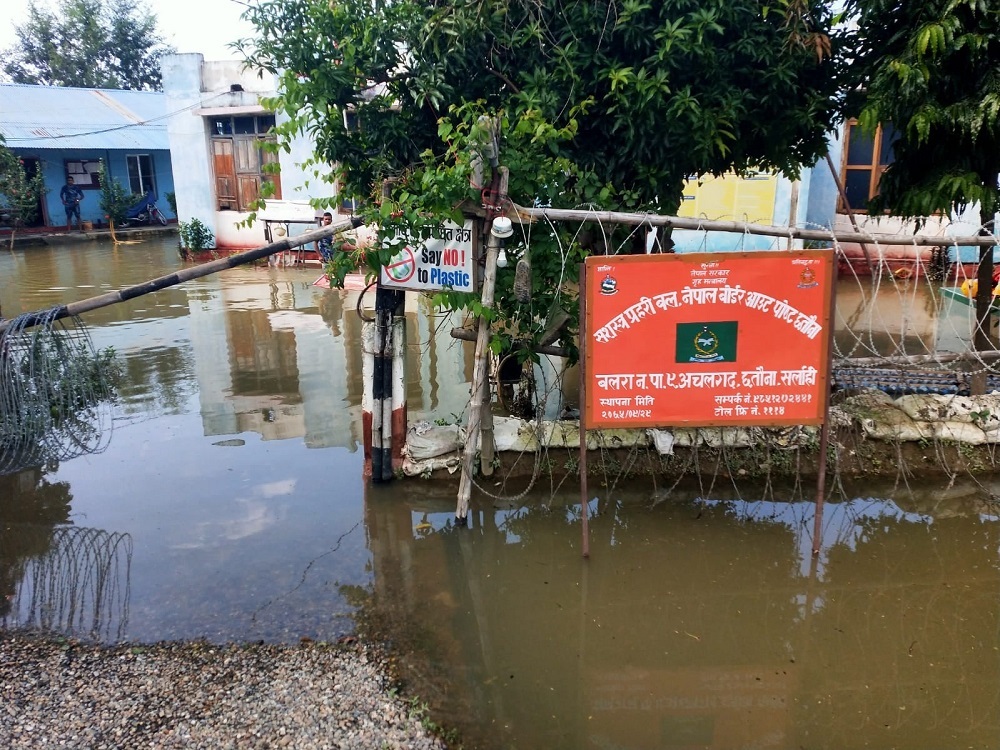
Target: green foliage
{"points": [[195, 236], [652, 92], [19, 194], [608, 103], [172, 202], [89, 44], [115, 199], [932, 69]]}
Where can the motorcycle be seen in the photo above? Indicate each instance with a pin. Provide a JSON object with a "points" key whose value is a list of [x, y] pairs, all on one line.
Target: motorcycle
{"points": [[145, 212]]}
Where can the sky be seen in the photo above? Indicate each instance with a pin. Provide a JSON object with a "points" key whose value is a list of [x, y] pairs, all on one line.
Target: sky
{"points": [[204, 26]]}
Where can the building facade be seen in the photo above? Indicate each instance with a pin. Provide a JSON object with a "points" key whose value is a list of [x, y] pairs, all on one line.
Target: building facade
{"points": [[69, 132], [218, 135]]}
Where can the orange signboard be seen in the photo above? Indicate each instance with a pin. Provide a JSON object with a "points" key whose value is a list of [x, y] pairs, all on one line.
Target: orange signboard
{"points": [[706, 339]]}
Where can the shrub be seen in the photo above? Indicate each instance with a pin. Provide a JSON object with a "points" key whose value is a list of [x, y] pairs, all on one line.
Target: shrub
{"points": [[195, 236]]}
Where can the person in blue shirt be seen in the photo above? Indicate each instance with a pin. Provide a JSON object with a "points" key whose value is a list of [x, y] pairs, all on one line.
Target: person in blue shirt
{"points": [[325, 245], [71, 196]]}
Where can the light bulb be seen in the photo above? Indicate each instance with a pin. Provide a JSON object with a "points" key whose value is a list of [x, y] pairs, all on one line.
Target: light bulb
{"points": [[502, 259]]}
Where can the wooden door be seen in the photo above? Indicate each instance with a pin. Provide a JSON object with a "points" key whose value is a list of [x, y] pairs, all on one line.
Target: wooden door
{"points": [[224, 165]]}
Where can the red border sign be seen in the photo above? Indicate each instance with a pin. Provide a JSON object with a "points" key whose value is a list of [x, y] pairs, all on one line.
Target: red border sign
{"points": [[707, 339]]}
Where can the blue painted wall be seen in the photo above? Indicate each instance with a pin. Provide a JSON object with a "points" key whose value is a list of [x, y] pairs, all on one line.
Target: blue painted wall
{"points": [[54, 174], [823, 195]]}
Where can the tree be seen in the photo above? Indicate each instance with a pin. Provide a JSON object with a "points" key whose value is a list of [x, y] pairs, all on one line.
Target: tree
{"points": [[610, 103], [19, 193], [652, 94], [932, 69], [89, 44]]}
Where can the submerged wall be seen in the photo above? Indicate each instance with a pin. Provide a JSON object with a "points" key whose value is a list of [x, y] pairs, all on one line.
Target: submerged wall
{"points": [[871, 433]]}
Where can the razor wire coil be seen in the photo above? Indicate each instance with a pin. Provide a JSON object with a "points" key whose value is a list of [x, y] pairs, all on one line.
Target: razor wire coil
{"points": [[55, 392]]}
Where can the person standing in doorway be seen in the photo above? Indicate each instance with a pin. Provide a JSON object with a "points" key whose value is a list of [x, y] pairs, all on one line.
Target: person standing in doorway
{"points": [[71, 196]]}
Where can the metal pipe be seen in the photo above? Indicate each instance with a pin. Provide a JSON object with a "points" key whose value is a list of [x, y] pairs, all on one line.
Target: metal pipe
{"points": [[528, 215]]}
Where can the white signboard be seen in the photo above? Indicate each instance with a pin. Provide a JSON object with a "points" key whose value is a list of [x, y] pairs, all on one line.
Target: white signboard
{"points": [[446, 260]]}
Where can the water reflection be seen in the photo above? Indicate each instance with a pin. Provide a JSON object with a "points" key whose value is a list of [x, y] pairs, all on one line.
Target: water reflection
{"points": [[261, 348], [701, 619], [55, 577], [233, 470], [699, 623]]}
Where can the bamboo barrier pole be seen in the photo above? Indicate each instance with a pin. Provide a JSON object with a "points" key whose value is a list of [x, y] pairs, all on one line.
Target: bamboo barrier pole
{"points": [[187, 274], [478, 374], [584, 493], [487, 442], [529, 215]]}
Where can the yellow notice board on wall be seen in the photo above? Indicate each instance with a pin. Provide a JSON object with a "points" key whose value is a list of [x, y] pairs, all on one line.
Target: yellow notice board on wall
{"points": [[740, 198]]}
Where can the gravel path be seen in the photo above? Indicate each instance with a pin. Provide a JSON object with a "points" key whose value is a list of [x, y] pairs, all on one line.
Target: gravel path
{"points": [[195, 695]]}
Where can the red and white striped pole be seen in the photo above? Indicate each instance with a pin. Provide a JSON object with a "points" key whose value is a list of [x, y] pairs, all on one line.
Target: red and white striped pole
{"points": [[384, 374]]}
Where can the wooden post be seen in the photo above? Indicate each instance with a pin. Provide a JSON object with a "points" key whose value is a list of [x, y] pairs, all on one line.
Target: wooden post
{"points": [[488, 448], [582, 365], [487, 441], [479, 373], [824, 431]]}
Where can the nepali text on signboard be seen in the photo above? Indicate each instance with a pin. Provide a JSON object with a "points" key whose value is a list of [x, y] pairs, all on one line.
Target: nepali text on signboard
{"points": [[445, 260], [707, 339]]}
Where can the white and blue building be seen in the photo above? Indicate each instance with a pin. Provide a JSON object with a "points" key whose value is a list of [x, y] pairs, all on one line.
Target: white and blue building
{"points": [[62, 132]]}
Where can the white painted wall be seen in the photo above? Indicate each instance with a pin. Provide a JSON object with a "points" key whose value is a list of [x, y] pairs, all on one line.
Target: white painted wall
{"points": [[189, 152], [191, 84]]}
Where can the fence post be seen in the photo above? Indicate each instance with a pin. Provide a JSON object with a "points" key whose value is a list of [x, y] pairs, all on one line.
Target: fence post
{"points": [[387, 304], [481, 359]]}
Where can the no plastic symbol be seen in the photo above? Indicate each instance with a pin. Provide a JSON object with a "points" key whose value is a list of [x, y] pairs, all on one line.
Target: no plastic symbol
{"points": [[402, 266]]}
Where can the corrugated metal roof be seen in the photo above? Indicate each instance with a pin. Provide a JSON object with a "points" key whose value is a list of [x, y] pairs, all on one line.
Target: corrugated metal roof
{"points": [[44, 117]]}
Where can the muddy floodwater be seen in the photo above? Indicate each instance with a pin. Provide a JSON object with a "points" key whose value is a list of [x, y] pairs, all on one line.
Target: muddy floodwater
{"points": [[230, 504]]}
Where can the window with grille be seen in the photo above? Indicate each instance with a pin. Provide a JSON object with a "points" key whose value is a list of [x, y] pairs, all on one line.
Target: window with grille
{"points": [[866, 157]]}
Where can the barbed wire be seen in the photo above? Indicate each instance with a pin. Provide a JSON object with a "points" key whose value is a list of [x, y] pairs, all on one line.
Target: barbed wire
{"points": [[904, 325], [79, 586], [55, 392]]}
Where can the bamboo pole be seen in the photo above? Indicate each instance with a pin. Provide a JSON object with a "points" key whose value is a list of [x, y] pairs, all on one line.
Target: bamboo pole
{"points": [[582, 364], [478, 374], [187, 274], [824, 433], [487, 442], [529, 215]]}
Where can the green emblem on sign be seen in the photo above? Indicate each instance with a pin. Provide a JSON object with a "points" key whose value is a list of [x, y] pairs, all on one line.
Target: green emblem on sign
{"points": [[707, 342]]}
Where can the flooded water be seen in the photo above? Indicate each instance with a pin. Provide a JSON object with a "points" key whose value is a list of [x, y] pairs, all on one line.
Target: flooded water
{"points": [[230, 505]]}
